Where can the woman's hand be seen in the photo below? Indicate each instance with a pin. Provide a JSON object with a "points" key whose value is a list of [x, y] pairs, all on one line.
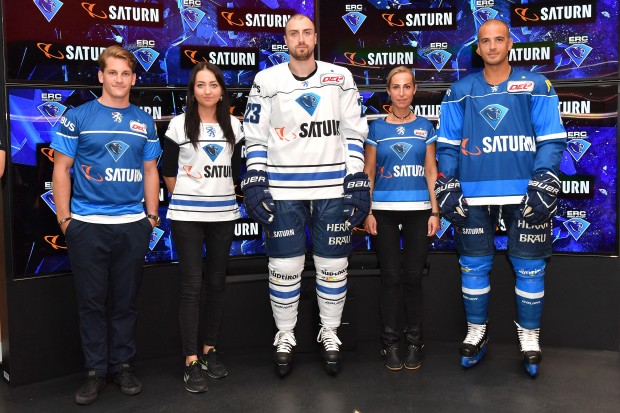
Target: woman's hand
{"points": [[370, 225], [434, 224]]}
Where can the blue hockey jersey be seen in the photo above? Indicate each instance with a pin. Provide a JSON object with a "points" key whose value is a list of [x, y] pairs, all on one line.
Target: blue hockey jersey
{"points": [[495, 138], [109, 147], [400, 180]]}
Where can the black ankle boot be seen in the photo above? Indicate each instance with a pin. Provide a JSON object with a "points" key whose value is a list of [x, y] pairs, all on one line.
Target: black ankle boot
{"points": [[413, 358], [391, 358], [390, 352]]}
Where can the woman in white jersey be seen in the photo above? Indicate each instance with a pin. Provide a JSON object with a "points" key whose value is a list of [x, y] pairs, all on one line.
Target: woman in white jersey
{"points": [[198, 172], [400, 163]]}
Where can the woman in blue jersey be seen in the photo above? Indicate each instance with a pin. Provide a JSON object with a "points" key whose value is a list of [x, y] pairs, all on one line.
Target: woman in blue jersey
{"points": [[401, 166], [197, 168]]}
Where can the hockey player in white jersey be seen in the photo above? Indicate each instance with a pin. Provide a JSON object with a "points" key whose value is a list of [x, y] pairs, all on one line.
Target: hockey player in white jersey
{"points": [[500, 142], [305, 133]]}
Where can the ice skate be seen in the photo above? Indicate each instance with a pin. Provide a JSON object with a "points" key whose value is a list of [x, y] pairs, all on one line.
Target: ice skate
{"points": [[283, 355], [331, 351], [474, 346], [530, 348]]}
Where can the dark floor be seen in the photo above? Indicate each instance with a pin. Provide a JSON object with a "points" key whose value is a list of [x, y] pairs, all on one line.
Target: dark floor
{"points": [[569, 381]]}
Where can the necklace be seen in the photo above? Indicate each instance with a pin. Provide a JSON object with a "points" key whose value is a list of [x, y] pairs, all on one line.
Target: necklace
{"points": [[494, 88], [401, 118]]}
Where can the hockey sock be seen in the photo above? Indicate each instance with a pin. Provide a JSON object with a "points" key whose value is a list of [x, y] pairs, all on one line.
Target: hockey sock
{"points": [[529, 290], [331, 288], [476, 287], [284, 289]]}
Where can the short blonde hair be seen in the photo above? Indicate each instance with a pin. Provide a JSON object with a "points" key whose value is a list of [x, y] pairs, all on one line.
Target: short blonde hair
{"points": [[119, 53]]}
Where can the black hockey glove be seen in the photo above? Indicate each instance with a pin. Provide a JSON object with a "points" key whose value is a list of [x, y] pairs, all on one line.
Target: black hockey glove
{"points": [[540, 203], [451, 201], [257, 198], [356, 198]]}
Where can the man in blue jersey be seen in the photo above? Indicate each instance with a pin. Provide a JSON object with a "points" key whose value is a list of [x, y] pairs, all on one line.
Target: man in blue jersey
{"points": [[110, 148], [500, 142], [305, 133]]}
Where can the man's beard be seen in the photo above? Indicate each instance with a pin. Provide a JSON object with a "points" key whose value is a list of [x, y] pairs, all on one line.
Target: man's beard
{"points": [[303, 56]]}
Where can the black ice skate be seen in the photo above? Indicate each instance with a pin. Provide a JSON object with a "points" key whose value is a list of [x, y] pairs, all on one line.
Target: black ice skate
{"points": [[331, 351], [530, 348], [283, 355], [474, 346]]}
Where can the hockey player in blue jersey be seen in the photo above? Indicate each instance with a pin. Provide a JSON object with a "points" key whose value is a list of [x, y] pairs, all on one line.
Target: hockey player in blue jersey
{"points": [[305, 132], [110, 149], [499, 146]]}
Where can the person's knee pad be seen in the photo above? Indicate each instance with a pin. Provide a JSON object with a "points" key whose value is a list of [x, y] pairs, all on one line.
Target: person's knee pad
{"points": [[285, 289], [476, 286], [285, 276], [331, 288], [529, 290]]}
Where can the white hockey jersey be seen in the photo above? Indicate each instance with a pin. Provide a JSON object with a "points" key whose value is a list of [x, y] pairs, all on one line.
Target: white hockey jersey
{"points": [[306, 134], [204, 189]]}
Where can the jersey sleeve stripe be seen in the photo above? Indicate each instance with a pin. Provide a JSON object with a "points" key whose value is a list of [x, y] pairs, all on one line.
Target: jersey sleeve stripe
{"points": [[301, 176], [560, 135]]}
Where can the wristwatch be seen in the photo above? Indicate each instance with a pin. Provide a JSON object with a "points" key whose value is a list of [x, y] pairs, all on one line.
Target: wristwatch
{"points": [[155, 218]]}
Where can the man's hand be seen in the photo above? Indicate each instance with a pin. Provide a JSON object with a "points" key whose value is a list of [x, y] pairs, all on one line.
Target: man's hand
{"points": [[257, 198], [451, 201], [540, 203], [356, 198]]}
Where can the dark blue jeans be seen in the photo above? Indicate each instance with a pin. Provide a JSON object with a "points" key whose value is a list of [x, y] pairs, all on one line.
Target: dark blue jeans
{"points": [[107, 260]]}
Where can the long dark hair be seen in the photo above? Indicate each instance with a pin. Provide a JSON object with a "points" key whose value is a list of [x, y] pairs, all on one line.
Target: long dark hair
{"points": [[222, 110]]}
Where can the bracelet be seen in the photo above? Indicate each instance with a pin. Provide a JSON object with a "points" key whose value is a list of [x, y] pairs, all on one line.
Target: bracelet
{"points": [[436, 214], [62, 221], [154, 218]]}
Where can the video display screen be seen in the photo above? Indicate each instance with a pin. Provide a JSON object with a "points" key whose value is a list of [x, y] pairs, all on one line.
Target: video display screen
{"points": [[54, 41], [575, 39]]}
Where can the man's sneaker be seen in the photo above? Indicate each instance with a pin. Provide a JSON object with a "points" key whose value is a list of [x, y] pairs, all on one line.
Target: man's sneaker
{"points": [[475, 344], [413, 359], [195, 380], [284, 342], [530, 348], [90, 389], [331, 351], [212, 364], [391, 358], [128, 382]]}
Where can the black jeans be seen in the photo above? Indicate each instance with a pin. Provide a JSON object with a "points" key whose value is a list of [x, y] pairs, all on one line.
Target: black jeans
{"points": [[189, 238], [415, 249]]}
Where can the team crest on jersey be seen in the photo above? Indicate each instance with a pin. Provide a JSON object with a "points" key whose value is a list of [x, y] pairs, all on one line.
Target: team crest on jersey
{"points": [[401, 149], [117, 117], [116, 149], [420, 132], [212, 151], [354, 20], [137, 126], [309, 101], [210, 131], [577, 148], [520, 86], [576, 227], [400, 130], [494, 114], [578, 52]]}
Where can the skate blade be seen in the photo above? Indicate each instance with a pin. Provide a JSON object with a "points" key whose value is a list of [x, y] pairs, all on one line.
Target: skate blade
{"points": [[283, 369], [532, 370], [472, 361], [332, 368]]}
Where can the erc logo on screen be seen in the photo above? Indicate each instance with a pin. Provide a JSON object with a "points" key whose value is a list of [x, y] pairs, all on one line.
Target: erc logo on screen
{"points": [[48, 8]]}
